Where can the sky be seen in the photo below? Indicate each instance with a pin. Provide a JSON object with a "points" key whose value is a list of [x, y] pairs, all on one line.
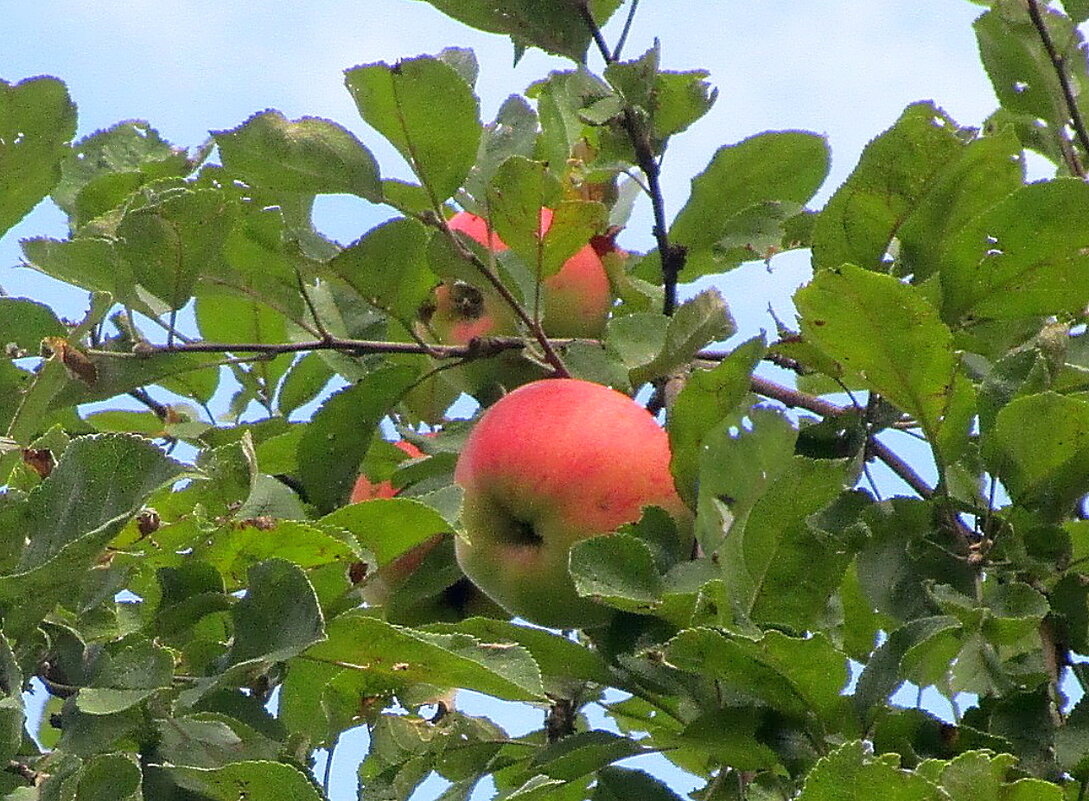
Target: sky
{"points": [[839, 68]]}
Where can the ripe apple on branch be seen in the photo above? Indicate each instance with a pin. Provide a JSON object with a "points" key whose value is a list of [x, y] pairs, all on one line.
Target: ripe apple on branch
{"points": [[552, 463]]}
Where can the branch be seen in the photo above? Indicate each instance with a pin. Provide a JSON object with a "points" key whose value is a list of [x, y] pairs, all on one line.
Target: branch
{"points": [[481, 347], [672, 256], [802, 400], [1058, 63]]}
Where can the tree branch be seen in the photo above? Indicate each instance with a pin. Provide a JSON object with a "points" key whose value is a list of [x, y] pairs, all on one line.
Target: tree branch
{"points": [[672, 256], [1058, 63], [480, 347]]}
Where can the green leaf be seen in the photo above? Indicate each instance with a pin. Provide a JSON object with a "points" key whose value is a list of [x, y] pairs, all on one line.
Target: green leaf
{"points": [[1019, 66], [308, 155], [618, 569], [388, 267], [985, 172], [1023, 257], [516, 194], [894, 174], [583, 752], [696, 323], [867, 322], [885, 670], [779, 544], [388, 527], [337, 437], [125, 673], [251, 780], [106, 166], [87, 262], [245, 545], [1077, 9], [25, 322], [514, 133], [1039, 448], [556, 655], [171, 244], [671, 101], [277, 618], [851, 774], [393, 658], [428, 112], [210, 740], [907, 552], [708, 397], [554, 27], [303, 383], [760, 175], [622, 784], [99, 484], [37, 120], [110, 777], [796, 675]]}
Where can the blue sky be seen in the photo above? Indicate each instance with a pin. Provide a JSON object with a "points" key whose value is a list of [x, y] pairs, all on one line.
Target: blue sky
{"points": [[840, 68]]}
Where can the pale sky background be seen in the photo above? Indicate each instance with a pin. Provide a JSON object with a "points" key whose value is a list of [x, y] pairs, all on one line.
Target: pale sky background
{"points": [[840, 68]]}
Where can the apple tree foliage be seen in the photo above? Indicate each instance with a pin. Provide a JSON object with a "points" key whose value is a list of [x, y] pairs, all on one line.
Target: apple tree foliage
{"points": [[179, 568]]}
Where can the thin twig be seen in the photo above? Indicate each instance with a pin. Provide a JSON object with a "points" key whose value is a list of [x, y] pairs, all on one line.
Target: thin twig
{"points": [[627, 29], [310, 305], [1058, 62], [672, 256], [478, 348], [140, 394]]}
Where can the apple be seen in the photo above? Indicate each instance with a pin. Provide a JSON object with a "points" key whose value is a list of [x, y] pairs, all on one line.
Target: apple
{"points": [[459, 313], [576, 300], [552, 463], [365, 489], [455, 602]]}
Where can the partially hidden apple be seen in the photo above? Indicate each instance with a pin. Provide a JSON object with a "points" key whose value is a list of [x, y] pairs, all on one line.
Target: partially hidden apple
{"points": [[552, 463], [460, 312], [457, 601], [577, 299], [365, 489]]}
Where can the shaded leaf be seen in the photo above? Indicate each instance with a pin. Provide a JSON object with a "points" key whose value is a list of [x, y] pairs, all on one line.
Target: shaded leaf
{"points": [[618, 569], [393, 658], [708, 397], [1026, 256], [758, 176], [792, 674], [850, 774], [309, 155], [892, 177], [37, 120], [1039, 448], [252, 780], [388, 267], [278, 617], [333, 445], [171, 244], [553, 27], [867, 322]]}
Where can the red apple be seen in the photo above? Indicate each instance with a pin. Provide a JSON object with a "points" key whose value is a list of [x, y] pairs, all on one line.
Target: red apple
{"points": [[365, 489], [460, 313], [552, 463], [577, 299]]}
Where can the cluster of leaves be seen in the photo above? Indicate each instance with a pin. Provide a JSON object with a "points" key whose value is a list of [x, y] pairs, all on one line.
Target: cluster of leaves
{"points": [[162, 602]]}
